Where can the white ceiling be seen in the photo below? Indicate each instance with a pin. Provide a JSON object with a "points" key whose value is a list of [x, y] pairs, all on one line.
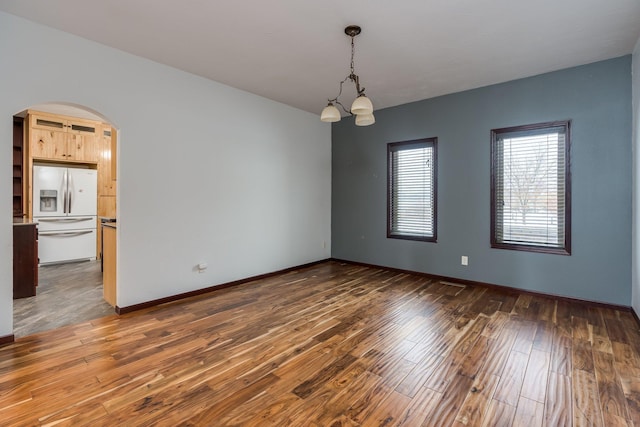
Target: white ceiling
{"points": [[295, 51]]}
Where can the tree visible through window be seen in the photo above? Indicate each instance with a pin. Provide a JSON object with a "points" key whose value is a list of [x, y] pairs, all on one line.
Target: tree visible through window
{"points": [[530, 188], [412, 190]]}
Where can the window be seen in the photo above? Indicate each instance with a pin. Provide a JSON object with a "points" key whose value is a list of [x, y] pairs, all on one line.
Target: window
{"points": [[412, 190], [530, 188]]}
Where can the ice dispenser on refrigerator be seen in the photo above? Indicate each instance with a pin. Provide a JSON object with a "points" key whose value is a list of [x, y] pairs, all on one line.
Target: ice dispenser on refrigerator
{"points": [[48, 200]]}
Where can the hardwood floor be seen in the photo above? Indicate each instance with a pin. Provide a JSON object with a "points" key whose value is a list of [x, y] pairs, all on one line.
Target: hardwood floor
{"points": [[66, 294], [333, 345]]}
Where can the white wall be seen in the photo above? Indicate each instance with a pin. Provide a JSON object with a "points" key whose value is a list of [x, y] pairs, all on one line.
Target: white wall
{"points": [[207, 173], [635, 251]]}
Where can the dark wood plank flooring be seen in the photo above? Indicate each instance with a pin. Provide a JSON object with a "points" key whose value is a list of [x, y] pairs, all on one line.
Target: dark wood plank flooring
{"points": [[67, 294], [333, 345]]}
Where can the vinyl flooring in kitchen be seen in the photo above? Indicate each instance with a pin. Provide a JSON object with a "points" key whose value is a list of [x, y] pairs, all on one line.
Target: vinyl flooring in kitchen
{"points": [[66, 294]]}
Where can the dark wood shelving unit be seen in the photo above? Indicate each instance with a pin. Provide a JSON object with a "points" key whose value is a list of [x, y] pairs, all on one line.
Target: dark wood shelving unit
{"points": [[18, 167]]}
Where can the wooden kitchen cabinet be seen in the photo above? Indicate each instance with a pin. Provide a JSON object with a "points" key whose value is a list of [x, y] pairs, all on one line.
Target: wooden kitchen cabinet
{"points": [[69, 139], [109, 263], [25, 259], [82, 148], [106, 209], [106, 179], [48, 144], [114, 156], [107, 206]]}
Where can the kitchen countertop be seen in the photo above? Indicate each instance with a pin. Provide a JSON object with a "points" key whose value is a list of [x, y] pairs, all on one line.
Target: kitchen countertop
{"points": [[23, 221]]}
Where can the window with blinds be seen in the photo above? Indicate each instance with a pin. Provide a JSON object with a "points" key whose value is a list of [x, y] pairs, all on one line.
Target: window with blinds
{"points": [[530, 188], [412, 190]]}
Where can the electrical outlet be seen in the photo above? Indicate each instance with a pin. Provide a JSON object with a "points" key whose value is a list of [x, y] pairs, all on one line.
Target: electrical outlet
{"points": [[464, 260]]}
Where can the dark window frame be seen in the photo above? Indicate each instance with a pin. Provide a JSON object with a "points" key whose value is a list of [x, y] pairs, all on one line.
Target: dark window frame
{"points": [[398, 146], [566, 247]]}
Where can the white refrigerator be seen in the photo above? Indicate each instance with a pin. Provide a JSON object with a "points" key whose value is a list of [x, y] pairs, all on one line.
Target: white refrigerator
{"points": [[65, 208]]}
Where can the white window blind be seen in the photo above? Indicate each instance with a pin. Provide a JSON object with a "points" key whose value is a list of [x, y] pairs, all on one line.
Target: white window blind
{"points": [[412, 190], [530, 187]]}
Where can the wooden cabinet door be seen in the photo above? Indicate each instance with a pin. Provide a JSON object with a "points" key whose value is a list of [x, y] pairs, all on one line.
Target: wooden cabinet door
{"points": [[82, 148], [107, 206], [114, 157], [48, 144], [83, 140], [106, 183]]}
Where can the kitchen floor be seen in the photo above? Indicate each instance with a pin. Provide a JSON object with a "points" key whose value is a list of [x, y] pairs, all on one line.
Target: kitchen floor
{"points": [[66, 294]]}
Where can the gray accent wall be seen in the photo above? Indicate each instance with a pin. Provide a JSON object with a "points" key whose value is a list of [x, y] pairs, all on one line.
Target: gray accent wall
{"points": [[597, 100]]}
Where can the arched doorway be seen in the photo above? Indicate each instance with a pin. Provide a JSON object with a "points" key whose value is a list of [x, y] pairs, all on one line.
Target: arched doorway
{"points": [[78, 140]]}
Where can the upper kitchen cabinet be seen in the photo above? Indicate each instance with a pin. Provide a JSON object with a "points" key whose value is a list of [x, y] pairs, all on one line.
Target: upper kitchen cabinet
{"points": [[114, 154], [106, 176], [62, 138]]}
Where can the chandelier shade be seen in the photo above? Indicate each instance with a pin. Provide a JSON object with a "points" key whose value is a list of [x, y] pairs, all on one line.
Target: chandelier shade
{"points": [[330, 114], [362, 107], [365, 119]]}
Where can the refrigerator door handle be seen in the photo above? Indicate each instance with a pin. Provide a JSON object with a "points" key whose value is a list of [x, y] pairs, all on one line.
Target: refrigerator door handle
{"points": [[64, 219], [64, 203], [69, 183], [65, 233]]}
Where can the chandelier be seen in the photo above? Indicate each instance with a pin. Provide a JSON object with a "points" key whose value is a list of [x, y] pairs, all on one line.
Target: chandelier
{"points": [[362, 107]]}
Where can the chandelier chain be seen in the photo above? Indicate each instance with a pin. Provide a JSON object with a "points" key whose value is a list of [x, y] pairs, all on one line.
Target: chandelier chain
{"points": [[353, 50]]}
